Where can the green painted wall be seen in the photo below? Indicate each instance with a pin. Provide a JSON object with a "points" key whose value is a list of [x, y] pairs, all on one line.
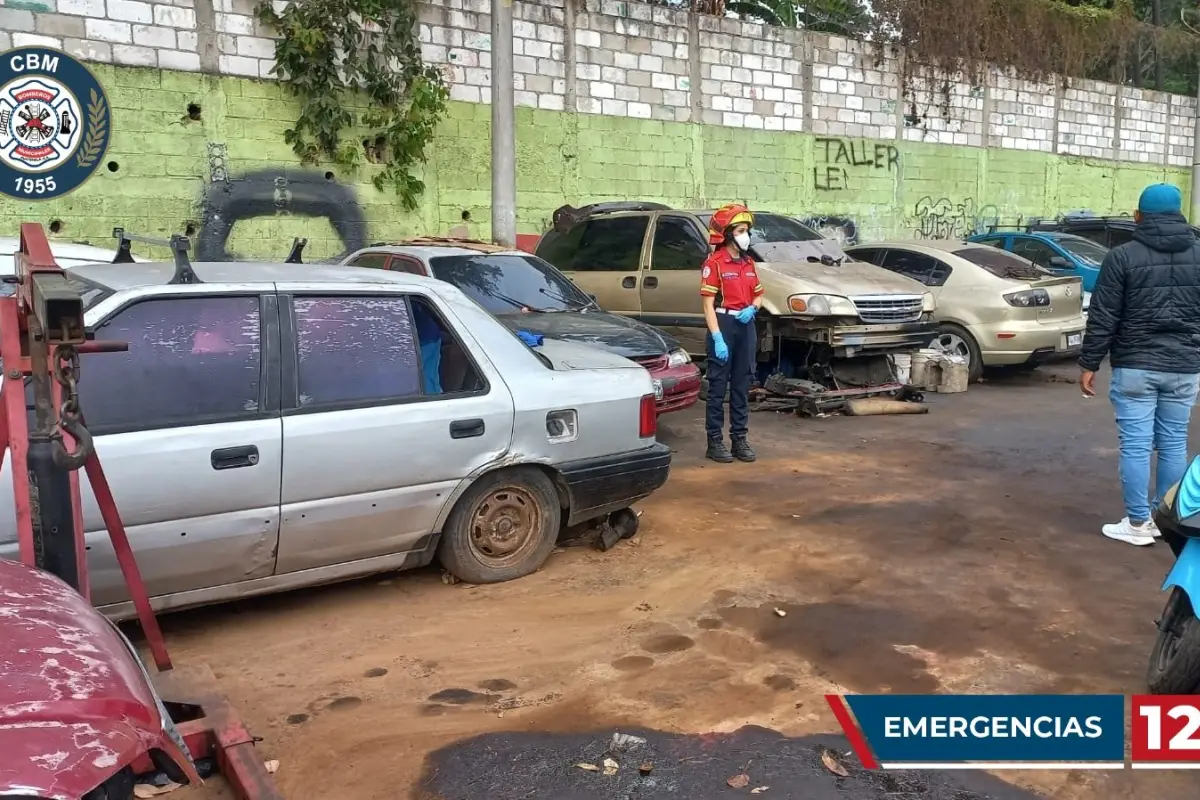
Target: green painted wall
{"points": [[159, 165]]}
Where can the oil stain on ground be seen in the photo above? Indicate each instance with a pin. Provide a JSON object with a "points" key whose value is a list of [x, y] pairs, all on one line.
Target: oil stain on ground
{"points": [[542, 765], [856, 645], [667, 643], [461, 697], [344, 703], [633, 663]]}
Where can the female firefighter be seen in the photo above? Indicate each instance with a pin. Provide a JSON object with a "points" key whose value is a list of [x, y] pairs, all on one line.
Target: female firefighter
{"points": [[732, 295]]}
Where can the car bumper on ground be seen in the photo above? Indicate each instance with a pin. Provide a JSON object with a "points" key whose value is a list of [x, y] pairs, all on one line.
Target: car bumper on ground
{"points": [[680, 387], [1030, 342], [599, 486]]}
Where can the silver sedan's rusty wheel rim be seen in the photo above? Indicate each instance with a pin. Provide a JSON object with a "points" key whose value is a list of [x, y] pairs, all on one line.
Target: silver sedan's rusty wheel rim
{"points": [[505, 526], [953, 345]]}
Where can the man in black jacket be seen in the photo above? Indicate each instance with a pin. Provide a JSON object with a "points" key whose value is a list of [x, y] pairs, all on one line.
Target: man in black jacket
{"points": [[1145, 316]]}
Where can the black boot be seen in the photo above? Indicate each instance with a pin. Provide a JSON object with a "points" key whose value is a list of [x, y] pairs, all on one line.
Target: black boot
{"points": [[718, 452], [742, 450]]}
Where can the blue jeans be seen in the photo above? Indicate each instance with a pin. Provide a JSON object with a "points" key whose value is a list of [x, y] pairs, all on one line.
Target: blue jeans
{"points": [[1153, 411]]}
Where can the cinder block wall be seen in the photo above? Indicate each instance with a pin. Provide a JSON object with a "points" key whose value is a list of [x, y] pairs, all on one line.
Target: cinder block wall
{"points": [[615, 100]]}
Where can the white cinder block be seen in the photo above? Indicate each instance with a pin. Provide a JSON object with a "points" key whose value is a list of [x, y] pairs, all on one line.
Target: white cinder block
{"points": [[238, 65], [135, 56], [130, 11], [20, 39], [175, 17], [106, 31], [639, 110], [82, 8], [178, 60], [153, 36], [469, 94]]}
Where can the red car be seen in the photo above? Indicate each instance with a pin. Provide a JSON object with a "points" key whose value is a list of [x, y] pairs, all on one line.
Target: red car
{"points": [[528, 293], [77, 708]]}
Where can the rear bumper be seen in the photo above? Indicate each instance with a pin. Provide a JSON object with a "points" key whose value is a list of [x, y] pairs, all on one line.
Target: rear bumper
{"points": [[681, 387], [1029, 342], [598, 486]]}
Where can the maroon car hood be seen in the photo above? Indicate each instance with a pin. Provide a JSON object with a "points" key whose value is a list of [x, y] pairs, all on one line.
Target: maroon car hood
{"points": [[75, 705]]}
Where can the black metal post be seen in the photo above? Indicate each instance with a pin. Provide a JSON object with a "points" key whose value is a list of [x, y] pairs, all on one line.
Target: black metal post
{"points": [[53, 516], [49, 484]]}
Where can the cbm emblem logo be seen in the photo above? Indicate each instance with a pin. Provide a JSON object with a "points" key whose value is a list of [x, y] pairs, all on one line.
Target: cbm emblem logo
{"points": [[55, 123]]}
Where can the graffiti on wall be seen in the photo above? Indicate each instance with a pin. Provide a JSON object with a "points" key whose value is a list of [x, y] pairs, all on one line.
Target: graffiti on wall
{"points": [[839, 228], [228, 200], [839, 160], [944, 219]]}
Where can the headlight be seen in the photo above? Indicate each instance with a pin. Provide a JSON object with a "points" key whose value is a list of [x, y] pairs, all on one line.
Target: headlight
{"points": [[928, 304], [815, 304], [1028, 298], [678, 357]]}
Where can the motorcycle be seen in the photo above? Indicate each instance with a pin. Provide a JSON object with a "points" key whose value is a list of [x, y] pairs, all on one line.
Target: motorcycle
{"points": [[1175, 660]]}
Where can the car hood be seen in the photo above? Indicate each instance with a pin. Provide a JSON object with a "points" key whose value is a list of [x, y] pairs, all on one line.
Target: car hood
{"points": [[785, 268], [75, 705], [620, 335]]}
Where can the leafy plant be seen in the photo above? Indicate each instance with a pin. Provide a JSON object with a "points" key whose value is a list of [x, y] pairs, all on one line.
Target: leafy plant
{"points": [[841, 17], [333, 53]]}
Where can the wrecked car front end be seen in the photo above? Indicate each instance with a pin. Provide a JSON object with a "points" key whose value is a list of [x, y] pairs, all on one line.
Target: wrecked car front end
{"points": [[834, 320], [77, 708]]}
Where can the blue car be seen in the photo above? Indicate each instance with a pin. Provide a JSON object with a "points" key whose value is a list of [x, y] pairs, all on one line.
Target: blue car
{"points": [[1060, 253]]}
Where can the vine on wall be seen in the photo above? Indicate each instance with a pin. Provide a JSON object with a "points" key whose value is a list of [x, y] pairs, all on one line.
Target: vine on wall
{"points": [[334, 55], [1032, 39]]}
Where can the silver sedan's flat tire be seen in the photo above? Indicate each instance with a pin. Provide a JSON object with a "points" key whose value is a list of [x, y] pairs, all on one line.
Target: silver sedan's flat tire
{"points": [[503, 527]]}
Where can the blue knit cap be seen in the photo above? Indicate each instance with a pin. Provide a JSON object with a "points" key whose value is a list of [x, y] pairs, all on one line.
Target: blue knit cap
{"points": [[1161, 198]]}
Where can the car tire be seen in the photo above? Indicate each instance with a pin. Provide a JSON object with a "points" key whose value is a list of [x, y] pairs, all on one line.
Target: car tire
{"points": [[502, 528], [974, 357]]}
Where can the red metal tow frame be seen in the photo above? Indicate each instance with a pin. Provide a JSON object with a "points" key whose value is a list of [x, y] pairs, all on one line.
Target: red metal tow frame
{"points": [[212, 729]]}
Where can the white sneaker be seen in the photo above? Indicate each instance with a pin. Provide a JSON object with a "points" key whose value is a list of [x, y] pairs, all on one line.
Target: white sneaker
{"points": [[1126, 531], [1154, 531]]}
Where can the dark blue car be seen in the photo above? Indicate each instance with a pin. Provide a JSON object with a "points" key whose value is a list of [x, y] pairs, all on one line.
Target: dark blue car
{"points": [[1061, 253]]}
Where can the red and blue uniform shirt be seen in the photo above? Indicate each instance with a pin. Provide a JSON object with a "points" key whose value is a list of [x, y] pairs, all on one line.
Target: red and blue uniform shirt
{"points": [[732, 281]]}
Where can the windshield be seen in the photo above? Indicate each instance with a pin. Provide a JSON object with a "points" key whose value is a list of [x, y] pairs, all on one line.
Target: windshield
{"points": [[1085, 250], [1003, 264], [773, 228], [510, 284]]}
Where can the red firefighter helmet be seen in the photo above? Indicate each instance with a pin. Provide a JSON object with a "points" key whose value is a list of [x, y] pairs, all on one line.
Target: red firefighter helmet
{"points": [[725, 218]]}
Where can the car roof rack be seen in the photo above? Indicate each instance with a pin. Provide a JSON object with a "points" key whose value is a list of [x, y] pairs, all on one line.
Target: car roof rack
{"points": [[445, 241], [178, 244], [566, 216], [297, 251]]}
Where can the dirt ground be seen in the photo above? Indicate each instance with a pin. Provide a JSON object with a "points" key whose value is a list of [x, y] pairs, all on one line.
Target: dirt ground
{"points": [[957, 551]]}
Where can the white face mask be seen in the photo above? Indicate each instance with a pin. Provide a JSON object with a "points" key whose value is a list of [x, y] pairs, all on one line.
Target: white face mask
{"points": [[743, 241]]}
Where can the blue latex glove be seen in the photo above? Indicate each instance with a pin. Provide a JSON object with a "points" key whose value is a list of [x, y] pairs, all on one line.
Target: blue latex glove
{"points": [[530, 339], [746, 314], [720, 349]]}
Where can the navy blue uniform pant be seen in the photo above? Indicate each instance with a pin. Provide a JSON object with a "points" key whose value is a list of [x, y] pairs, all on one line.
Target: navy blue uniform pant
{"points": [[735, 373]]}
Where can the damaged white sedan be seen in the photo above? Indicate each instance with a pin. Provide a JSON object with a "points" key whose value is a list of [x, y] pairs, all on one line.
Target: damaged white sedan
{"points": [[274, 426]]}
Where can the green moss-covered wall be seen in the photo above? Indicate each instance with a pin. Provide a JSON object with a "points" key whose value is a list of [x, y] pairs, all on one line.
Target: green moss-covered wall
{"points": [[161, 164]]}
